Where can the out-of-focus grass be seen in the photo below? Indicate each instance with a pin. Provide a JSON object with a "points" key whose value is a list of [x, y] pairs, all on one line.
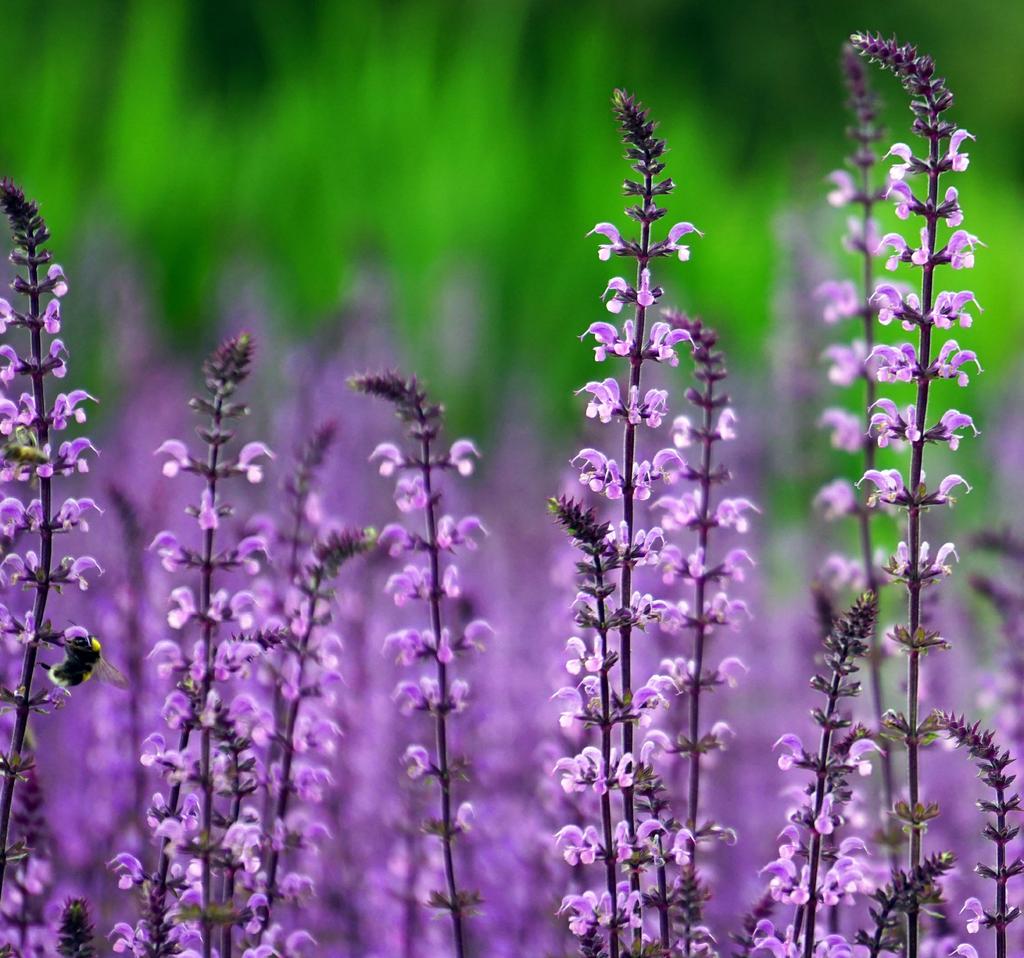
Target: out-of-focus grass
{"points": [[466, 147]]}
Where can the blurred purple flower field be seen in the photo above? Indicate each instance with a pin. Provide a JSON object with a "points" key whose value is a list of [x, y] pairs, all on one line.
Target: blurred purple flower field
{"points": [[389, 691]]}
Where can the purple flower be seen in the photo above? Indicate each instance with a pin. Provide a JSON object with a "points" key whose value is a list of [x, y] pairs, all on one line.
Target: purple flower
{"points": [[28, 458], [200, 707], [942, 140], [439, 695], [614, 244], [610, 552]]}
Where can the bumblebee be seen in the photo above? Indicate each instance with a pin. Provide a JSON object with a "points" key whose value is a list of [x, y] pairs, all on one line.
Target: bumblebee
{"points": [[23, 447], [83, 658]]}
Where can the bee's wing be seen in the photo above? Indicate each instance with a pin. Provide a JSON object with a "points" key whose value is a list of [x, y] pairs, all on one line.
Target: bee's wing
{"points": [[106, 672]]}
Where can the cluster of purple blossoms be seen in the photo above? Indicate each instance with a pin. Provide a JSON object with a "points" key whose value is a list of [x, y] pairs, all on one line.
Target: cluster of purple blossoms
{"points": [[993, 764], [208, 831], [860, 361], [710, 608], [639, 839], [32, 458], [428, 576], [270, 833], [305, 676], [921, 365], [816, 869]]}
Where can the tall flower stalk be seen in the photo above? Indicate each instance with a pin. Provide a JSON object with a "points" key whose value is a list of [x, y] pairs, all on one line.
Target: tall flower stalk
{"points": [[599, 920], [907, 892], [859, 192], [205, 826], [31, 456], [810, 870], [439, 695], [993, 769], [913, 563], [634, 478], [294, 537], [305, 678], [710, 607]]}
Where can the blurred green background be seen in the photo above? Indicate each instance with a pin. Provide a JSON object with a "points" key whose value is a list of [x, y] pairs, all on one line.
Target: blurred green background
{"points": [[462, 150]]}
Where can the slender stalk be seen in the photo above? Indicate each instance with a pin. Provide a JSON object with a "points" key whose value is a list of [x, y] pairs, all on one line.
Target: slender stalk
{"points": [[1001, 874], [930, 100], [632, 477], [636, 360], [846, 642], [440, 716], [298, 489], [41, 428], [206, 568], [993, 763], [706, 434], [914, 581], [865, 134], [824, 758], [208, 633], [173, 804], [292, 717], [416, 490], [699, 590], [231, 869], [606, 754]]}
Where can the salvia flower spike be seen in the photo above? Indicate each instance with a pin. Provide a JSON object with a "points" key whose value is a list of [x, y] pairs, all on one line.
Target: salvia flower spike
{"points": [[307, 673], [700, 512], [208, 829], [930, 313], [598, 921], [659, 838], [435, 582], [829, 873], [32, 457], [859, 190], [993, 769], [295, 532], [907, 892]]}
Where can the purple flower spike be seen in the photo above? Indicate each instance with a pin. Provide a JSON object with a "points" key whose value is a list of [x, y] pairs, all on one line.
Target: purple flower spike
{"points": [[439, 647], [635, 824], [993, 763], [31, 459], [875, 423], [801, 875], [221, 770], [938, 208]]}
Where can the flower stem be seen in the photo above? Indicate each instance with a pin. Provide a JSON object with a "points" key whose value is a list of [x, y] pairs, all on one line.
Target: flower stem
{"points": [[606, 755], [824, 758], [440, 716], [288, 749], [707, 403], [865, 159], [914, 582], [42, 586], [636, 360], [206, 775]]}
